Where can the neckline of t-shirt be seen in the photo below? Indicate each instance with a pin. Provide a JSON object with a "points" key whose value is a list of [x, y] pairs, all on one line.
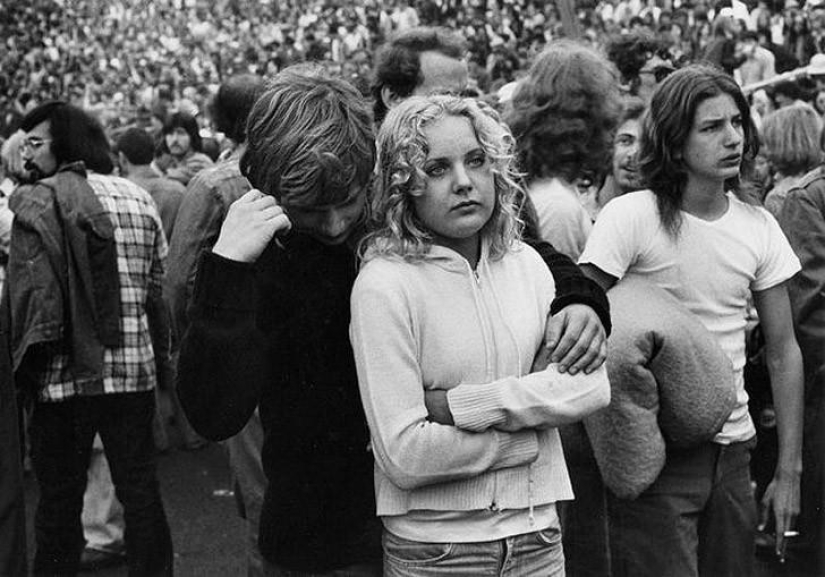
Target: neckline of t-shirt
{"points": [[721, 217]]}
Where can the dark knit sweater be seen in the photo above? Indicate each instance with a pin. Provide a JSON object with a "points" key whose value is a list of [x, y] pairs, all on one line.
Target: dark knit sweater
{"points": [[277, 333]]}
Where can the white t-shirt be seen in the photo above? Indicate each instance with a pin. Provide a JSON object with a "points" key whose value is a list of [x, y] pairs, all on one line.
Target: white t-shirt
{"points": [[712, 267], [563, 221]]}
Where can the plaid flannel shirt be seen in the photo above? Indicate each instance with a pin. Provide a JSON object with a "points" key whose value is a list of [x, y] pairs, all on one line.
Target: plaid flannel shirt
{"points": [[141, 253]]}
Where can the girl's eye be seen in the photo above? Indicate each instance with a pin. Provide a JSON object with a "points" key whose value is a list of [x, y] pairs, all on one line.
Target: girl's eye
{"points": [[477, 161], [436, 170]]}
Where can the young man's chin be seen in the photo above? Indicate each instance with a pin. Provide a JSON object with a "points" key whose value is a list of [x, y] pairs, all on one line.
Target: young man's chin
{"points": [[330, 240]]}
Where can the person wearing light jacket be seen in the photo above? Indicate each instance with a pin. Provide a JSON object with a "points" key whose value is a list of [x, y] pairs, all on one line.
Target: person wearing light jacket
{"points": [[448, 312]]}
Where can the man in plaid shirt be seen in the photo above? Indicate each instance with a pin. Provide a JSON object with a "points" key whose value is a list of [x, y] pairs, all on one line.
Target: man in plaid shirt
{"points": [[87, 325]]}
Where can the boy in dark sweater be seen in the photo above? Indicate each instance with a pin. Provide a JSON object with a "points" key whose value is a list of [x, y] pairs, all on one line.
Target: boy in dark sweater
{"points": [[270, 317]]}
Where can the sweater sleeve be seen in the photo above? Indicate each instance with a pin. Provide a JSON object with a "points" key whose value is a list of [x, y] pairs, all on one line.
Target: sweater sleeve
{"points": [[541, 400], [572, 286], [411, 450], [222, 366]]}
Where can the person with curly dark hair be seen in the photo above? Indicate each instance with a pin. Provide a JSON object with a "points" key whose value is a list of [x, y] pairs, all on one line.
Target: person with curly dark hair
{"points": [[563, 116], [642, 61]]}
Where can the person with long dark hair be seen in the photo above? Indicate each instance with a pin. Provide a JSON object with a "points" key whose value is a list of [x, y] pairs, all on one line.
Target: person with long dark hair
{"points": [[691, 235]]}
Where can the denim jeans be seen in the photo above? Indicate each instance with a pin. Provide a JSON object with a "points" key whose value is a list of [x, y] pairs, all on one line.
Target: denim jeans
{"points": [[697, 518], [538, 553], [61, 437], [368, 569]]}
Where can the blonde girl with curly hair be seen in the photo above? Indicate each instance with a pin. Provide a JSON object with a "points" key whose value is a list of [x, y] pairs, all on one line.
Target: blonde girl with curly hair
{"points": [[448, 314]]}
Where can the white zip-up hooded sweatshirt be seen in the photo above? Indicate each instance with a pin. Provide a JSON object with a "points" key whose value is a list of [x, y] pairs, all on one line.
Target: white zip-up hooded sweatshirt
{"points": [[437, 324]]}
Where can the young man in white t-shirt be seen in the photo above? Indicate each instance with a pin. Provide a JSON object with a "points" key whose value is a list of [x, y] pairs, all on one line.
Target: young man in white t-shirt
{"points": [[690, 235]]}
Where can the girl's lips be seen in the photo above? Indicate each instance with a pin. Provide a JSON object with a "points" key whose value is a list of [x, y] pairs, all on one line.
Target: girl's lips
{"points": [[466, 204]]}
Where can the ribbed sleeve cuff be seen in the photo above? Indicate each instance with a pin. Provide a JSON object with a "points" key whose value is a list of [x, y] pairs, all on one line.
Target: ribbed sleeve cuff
{"points": [[475, 407], [517, 448], [224, 284]]}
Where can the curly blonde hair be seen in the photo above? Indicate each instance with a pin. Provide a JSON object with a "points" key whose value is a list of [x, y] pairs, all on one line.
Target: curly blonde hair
{"points": [[394, 227]]}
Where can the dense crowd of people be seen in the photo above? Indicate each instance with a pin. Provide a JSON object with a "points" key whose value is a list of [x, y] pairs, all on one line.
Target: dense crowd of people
{"points": [[130, 58], [227, 221]]}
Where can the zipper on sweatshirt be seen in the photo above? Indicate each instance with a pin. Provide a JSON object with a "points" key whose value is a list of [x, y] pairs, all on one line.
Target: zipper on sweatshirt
{"points": [[484, 319]]}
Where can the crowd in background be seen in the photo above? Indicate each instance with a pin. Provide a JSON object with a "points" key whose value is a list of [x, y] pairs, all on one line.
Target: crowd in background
{"points": [[130, 58]]}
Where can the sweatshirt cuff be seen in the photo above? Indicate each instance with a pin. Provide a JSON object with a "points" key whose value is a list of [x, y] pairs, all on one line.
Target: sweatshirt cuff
{"points": [[516, 449], [475, 407], [225, 284]]}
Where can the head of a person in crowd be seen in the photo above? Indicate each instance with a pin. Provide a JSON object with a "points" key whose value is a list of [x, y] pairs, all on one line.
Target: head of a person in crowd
{"points": [[59, 133], [135, 149], [310, 144], [761, 103], [642, 60], [725, 25], [158, 119], [445, 175], [636, 24], [817, 16], [230, 107], [669, 123], [564, 113], [626, 171], [750, 41], [791, 139], [786, 94], [418, 61], [12, 159], [181, 135]]}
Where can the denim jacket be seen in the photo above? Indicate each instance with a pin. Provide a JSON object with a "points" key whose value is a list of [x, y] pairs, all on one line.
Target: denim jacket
{"points": [[63, 278]]}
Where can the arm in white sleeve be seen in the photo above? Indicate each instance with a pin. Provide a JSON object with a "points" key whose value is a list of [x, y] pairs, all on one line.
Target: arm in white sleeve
{"points": [[411, 450], [540, 400]]}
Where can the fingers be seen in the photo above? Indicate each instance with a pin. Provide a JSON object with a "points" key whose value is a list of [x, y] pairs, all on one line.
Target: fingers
{"points": [[574, 344], [256, 196], [554, 330], [251, 223], [580, 339], [765, 512], [567, 329]]}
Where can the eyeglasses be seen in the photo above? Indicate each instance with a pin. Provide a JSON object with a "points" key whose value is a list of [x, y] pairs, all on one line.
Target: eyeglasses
{"points": [[34, 143]]}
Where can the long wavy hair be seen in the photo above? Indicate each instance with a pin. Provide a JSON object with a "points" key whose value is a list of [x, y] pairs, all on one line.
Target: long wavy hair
{"points": [[666, 126], [394, 227], [565, 112]]}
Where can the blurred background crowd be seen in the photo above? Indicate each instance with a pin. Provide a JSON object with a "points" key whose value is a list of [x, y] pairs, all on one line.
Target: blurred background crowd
{"points": [[135, 61]]}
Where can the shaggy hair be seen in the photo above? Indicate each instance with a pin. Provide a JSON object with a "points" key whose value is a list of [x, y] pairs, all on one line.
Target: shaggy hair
{"points": [[791, 135], [189, 124], [631, 51], [310, 140], [666, 126], [395, 229], [231, 105], [76, 135], [564, 113]]}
